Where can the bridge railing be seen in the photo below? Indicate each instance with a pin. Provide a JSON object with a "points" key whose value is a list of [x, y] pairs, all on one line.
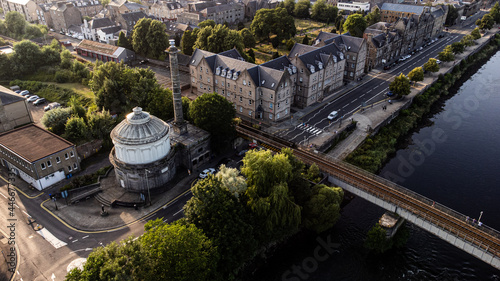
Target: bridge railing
{"points": [[491, 231]]}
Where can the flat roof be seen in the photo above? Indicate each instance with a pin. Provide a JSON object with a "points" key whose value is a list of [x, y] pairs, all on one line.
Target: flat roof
{"points": [[32, 142]]}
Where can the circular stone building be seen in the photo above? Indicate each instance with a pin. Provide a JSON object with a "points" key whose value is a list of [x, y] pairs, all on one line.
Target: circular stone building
{"points": [[142, 156]]}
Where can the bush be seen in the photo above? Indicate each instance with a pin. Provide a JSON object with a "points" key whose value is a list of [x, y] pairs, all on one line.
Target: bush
{"points": [[64, 76], [85, 180]]}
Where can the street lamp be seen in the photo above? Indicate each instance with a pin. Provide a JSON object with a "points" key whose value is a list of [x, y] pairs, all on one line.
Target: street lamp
{"points": [[147, 184], [480, 215]]}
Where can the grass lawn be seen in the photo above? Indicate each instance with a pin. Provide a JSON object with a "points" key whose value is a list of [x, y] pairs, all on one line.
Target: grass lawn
{"points": [[304, 25], [78, 88], [261, 57]]}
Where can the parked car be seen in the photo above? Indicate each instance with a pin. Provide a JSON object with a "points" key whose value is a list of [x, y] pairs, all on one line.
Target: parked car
{"points": [[390, 94], [24, 93], [144, 61], [438, 61], [33, 98], [39, 101], [333, 115], [17, 91], [207, 172], [52, 105]]}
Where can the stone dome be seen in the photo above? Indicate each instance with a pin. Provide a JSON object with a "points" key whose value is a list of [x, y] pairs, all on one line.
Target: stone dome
{"points": [[139, 128], [141, 138]]}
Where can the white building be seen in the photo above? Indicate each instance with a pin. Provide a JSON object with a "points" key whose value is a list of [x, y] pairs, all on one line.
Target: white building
{"points": [[354, 6]]}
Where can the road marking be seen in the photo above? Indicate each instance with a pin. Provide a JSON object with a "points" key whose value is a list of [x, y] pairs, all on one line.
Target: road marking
{"points": [[178, 212], [369, 91], [51, 238], [362, 95], [26, 213], [85, 236], [74, 241], [3, 195]]}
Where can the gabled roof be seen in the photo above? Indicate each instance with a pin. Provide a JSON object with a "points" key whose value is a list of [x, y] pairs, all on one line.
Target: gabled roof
{"points": [[133, 16], [313, 58], [437, 12], [134, 6], [32, 142], [280, 63], [20, 2], [403, 8], [349, 43], [201, 5], [8, 96], [322, 36], [111, 29], [100, 22], [117, 3], [299, 49], [173, 5]]}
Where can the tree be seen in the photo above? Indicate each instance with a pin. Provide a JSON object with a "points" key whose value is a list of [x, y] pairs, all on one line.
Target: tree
{"points": [[451, 16], [305, 40], [373, 17], [76, 129], [50, 56], [273, 21], [126, 260], [149, 38], [161, 104], [241, 25], [467, 40], [289, 44], [55, 120], [268, 195], [232, 181], [475, 33], [322, 211], [123, 41], [100, 124], [289, 5], [313, 173], [5, 66], [177, 40], [417, 74], [431, 65], [457, 47], [26, 57], [178, 252], [187, 42], [224, 220], [55, 45], [376, 240], [206, 23], [248, 38], [355, 24], [215, 114], [219, 39], [76, 107], [301, 9], [495, 12], [486, 22], [15, 24], [66, 59], [400, 85], [447, 54], [322, 12]]}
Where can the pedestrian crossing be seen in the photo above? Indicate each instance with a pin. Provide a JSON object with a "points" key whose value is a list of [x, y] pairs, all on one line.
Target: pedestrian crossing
{"points": [[310, 129]]}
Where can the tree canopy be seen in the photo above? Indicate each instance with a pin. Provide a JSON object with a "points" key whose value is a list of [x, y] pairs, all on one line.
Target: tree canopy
{"points": [[447, 54], [123, 41], [457, 47], [452, 15], [431, 65], [321, 11], [289, 5], [486, 22], [373, 17], [273, 21], [417, 74], [219, 39], [247, 37], [475, 33], [188, 40], [400, 85], [322, 211], [355, 24], [215, 114], [149, 38]]}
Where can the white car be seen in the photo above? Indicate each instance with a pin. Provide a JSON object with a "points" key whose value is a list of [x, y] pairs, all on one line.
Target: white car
{"points": [[206, 172], [33, 98], [438, 61], [333, 115]]}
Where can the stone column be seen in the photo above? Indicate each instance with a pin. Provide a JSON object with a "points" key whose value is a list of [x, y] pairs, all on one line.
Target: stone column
{"points": [[180, 126]]}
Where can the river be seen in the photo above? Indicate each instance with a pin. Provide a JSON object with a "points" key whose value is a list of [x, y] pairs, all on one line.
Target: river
{"points": [[460, 172]]}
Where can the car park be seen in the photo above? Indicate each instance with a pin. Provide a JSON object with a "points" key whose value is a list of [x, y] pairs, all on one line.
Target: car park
{"points": [[33, 98], [39, 101], [24, 93], [333, 115], [206, 172]]}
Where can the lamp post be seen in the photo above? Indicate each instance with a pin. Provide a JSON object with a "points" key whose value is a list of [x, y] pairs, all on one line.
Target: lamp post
{"points": [[147, 184], [480, 215]]}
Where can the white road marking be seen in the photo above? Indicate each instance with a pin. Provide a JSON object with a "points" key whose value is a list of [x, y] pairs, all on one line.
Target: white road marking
{"points": [[3, 195], [51, 238], [26, 213], [178, 212], [74, 241], [86, 236]]}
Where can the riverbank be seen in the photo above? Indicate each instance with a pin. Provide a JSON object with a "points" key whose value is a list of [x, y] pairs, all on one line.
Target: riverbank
{"points": [[377, 149]]}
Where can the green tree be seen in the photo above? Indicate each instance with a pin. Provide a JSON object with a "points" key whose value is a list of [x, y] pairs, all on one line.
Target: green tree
{"points": [[55, 45], [76, 129], [206, 23], [355, 24], [289, 44], [451, 16], [100, 124], [431, 65], [467, 40], [400, 85], [475, 33], [224, 220], [15, 24], [373, 17], [313, 173], [273, 21], [139, 40], [322, 211], [55, 120], [241, 25], [5, 66], [76, 107], [123, 41], [417, 74], [251, 54], [301, 9], [232, 181], [289, 5], [268, 196], [319, 11], [26, 57], [458, 47], [178, 252], [66, 59], [305, 40], [377, 241], [495, 12], [215, 114], [50, 56], [486, 22], [34, 31], [219, 39], [248, 38], [157, 39], [447, 54], [161, 104], [187, 42]]}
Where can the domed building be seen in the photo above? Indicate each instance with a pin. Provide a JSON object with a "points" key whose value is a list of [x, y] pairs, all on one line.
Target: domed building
{"points": [[142, 154]]}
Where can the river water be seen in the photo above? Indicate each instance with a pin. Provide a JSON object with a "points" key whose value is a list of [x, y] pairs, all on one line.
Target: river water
{"points": [[455, 161]]}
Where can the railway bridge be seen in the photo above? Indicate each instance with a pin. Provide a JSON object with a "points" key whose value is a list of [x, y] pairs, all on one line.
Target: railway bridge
{"points": [[482, 241]]}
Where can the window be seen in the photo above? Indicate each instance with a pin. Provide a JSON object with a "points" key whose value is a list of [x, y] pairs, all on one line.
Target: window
{"points": [[345, 72], [351, 74], [66, 156], [250, 102], [241, 90], [250, 93], [216, 81], [278, 105], [244, 82], [279, 96], [49, 163], [271, 96], [222, 83], [206, 70], [300, 79], [271, 116], [271, 105], [241, 109], [69, 168], [286, 101], [228, 85], [294, 79], [193, 79], [286, 83], [249, 84], [301, 70], [260, 102], [223, 92], [241, 99], [250, 112], [58, 160], [216, 90], [209, 88], [208, 79], [43, 166], [201, 77], [75, 166], [201, 68], [353, 57], [347, 56], [278, 116], [352, 65]]}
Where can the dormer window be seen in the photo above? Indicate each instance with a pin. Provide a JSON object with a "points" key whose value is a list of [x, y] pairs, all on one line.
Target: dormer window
{"points": [[223, 73], [229, 74], [320, 65], [263, 81], [312, 69], [217, 71], [272, 85]]}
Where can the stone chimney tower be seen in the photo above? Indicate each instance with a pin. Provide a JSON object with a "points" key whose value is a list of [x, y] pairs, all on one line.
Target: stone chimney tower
{"points": [[180, 126]]}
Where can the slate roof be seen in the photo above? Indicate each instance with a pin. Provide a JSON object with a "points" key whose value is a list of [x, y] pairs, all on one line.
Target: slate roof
{"points": [[351, 43], [173, 5], [403, 8], [133, 16], [322, 36], [313, 57], [117, 3], [33, 143], [280, 63], [437, 12], [111, 29], [299, 49], [100, 22], [134, 6], [8, 96]]}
